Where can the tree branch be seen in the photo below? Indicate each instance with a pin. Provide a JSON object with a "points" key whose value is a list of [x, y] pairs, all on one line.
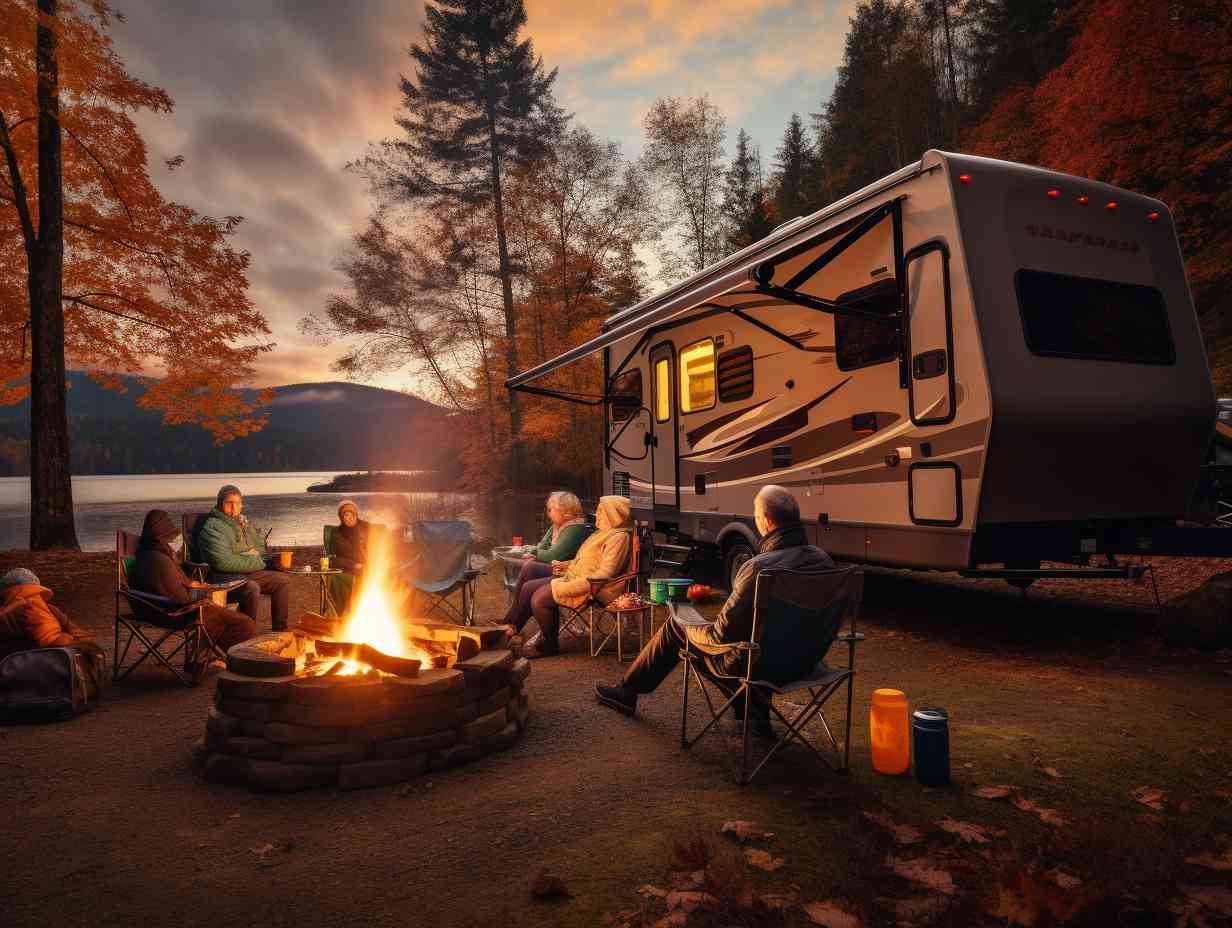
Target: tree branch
{"points": [[114, 187], [111, 312], [19, 189]]}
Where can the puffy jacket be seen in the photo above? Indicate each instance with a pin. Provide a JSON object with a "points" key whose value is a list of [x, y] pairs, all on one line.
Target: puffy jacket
{"points": [[786, 548], [28, 620], [602, 555], [223, 541]]}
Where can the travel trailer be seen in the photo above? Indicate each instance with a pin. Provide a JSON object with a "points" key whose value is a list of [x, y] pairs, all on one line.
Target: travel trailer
{"points": [[969, 365]]}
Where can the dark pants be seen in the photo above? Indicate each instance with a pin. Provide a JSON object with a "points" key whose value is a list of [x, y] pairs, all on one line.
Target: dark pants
{"points": [[659, 658], [535, 601], [226, 626], [531, 570], [276, 586]]}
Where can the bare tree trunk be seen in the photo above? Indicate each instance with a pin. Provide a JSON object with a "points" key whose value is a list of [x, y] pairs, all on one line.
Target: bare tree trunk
{"points": [[949, 53], [51, 488]]}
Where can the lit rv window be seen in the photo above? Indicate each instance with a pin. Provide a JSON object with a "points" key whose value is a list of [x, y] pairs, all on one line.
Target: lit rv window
{"points": [[1097, 320], [663, 391], [736, 374], [862, 342], [697, 376], [626, 396]]}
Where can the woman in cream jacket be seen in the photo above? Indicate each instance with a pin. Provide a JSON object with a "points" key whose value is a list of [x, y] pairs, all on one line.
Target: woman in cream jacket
{"points": [[604, 554]]}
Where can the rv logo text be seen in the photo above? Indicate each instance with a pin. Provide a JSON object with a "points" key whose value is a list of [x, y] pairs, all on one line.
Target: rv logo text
{"points": [[1083, 238]]}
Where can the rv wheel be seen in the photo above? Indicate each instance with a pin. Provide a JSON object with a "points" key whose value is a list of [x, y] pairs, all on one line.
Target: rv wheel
{"points": [[737, 553]]}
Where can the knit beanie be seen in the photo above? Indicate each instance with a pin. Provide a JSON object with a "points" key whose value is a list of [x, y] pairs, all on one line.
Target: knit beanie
{"points": [[19, 576], [229, 490], [158, 525], [347, 504]]}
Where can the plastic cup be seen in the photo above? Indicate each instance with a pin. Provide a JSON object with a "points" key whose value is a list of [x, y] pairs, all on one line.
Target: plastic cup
{"points": [[517, 540], [324, 563], [284, 560]]}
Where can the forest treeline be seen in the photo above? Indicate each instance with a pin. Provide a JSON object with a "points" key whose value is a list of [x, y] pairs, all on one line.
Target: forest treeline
{"points": [[504, 230]]}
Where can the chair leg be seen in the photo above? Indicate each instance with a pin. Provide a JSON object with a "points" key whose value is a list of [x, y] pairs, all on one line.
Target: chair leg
{"points": [[684, 709]]}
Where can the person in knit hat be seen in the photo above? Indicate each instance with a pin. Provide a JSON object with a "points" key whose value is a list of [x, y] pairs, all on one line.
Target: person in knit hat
{"points": [[28, 619], [234, 550], [158, 571], [350, 552]]}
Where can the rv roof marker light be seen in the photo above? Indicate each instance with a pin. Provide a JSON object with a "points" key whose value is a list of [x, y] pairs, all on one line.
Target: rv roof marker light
{"points": [[1112, 204], [1054, 194], [1152, 216], [1084, 200], [964, 178]]}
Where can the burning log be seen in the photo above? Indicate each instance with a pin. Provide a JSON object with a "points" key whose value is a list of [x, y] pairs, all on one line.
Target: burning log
{"points": [[366, 654]]}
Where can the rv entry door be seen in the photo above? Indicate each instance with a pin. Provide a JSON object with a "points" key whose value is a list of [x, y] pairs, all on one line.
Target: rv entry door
{"points": [[666, 491], [930, 339]]}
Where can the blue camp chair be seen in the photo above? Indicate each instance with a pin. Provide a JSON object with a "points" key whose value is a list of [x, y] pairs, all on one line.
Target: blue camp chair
{"points": [[443, 566]]}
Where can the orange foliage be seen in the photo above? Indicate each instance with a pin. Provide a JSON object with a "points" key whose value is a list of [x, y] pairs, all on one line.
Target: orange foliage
{"points": [[143, 277]]}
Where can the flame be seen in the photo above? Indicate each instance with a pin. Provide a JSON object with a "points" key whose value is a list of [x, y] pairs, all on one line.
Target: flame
{"points": [[375, 617]]}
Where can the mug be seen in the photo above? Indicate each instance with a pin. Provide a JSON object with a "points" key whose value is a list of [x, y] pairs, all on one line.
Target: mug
{"points": [[517, 541], [325, 563], [284, 560]]}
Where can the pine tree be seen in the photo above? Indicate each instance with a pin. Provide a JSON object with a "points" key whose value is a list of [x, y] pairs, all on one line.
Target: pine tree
{"points": [[791, 170], [480, 104], [745, 209]]}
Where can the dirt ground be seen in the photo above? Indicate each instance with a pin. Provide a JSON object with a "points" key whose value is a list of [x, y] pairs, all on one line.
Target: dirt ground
{"points": [[1064, 697]]}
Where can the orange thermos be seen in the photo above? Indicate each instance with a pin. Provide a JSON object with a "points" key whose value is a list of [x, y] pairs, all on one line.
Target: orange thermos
{"points": [[889, 731]]}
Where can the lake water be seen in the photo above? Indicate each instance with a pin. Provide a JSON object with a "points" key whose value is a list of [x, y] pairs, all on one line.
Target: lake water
{"points": [[104, 504]]}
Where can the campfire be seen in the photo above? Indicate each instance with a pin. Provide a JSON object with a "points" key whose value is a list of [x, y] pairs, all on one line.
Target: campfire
{"points": [[375, 697]]}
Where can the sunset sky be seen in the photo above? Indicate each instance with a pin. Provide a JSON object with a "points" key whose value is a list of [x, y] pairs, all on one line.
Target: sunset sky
{"points": [[274, 98]]}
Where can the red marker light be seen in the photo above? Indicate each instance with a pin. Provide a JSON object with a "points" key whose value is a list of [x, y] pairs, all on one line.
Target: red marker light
{"points": [[1152, 216], [964, 178], [1084, 200], [1054, 194], [1111, 205]]}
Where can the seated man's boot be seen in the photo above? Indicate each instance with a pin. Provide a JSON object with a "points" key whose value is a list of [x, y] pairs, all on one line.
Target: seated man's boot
{"points": [[616, 696]]}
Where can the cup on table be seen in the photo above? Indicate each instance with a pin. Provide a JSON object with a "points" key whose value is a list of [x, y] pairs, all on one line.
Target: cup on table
{"points": [[517, 541], [325, 563], [284, 560]]}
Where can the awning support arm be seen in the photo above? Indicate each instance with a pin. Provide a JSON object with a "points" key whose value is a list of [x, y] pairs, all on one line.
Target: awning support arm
{"points": [[582, 399]]}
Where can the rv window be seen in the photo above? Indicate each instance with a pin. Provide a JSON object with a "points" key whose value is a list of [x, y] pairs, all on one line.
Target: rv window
{"points": [[697, 387], [862, 342], [626, 396], [736, 374], [1099, 320], [663, 390]]}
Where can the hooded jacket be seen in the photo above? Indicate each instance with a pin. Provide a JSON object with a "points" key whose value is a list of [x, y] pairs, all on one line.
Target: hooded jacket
{"points": [[28, 620], [602, 555], [223, 541]]}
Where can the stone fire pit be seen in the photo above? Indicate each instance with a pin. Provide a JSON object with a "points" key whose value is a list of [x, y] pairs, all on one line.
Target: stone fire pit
{"points": [[276, 725]]}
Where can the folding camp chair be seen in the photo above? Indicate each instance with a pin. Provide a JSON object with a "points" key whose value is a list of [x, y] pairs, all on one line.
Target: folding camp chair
{"points": [[794, 613], [173, 626], [593, 619], [194, 565], [443, 566]]}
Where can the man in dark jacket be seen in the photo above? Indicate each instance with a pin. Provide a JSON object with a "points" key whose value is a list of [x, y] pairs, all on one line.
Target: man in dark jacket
{"points": [[784, 546]]}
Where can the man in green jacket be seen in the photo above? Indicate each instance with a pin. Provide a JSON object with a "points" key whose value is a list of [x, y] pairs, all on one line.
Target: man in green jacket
{"points": [[235, 550]]}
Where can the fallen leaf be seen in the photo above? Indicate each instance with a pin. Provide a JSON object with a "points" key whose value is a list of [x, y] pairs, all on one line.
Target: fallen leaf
{"points": [[762, 860], [968, 766], [778, 902], [992, 792], [1047, 816], [1063, 879], [689, 900], [263, 851], [1201, 899], [902, 834], [1211, 862], [1150, 796], [831, 914], [909, 912], [547, 886], [673, 919], [1206, 752], [923, 871], [744, 831], [647, 890], [1012, 907], [968, 832], [1051, 772]]}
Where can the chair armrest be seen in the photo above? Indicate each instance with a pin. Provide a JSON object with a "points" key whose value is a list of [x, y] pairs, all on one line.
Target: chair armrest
{"points": [[850, 636], [167, 607], [599, 583], [199, 569]]}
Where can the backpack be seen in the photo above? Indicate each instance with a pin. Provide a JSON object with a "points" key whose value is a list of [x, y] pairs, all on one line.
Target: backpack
{"points": [[47, 684]]}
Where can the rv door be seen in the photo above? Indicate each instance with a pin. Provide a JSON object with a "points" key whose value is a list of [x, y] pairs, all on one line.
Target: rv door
{"points": [[930, 338], [666, 491]]}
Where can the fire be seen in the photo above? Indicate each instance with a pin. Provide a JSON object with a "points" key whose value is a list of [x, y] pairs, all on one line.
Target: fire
{"points": [[375, 618]]}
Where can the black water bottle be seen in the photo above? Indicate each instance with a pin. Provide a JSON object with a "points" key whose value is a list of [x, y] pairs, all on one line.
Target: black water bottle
{"points": [[930, 743]]}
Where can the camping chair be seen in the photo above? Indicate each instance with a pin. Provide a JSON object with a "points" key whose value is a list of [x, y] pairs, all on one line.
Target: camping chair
{"points": [[794, 612], [194, 565], [176, 626], [593, 620], [442, 566]]}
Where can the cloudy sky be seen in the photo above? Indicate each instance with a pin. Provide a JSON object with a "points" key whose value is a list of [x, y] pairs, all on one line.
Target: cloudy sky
{"points": [[274, 97]]}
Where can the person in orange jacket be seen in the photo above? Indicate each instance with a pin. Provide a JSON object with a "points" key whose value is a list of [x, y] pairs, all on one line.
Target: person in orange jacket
{"points": [[29, 620]]}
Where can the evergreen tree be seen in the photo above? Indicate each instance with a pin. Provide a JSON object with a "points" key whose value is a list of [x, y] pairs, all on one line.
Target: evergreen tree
{"points": [[745, 210], [480, 104], [791, 170]]}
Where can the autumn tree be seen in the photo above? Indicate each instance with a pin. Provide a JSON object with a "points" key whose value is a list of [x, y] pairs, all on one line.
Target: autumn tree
{"points": [[479, 105], [684, 153], [745, 207], [96, 268]]}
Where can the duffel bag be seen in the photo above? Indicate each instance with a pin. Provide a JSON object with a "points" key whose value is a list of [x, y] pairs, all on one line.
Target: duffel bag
{"points": [[47, 684]]}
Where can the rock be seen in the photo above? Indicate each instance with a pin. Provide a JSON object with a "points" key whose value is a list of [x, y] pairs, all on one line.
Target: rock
{"points": [[402, 728], [485, 665], [348, 753], [329, 691], [220, 723], [257, 689], [483, 726], [502, 740], [247, 708], [450, 757], [271, 655], [519, 671], [252, 729], [405, 747], [284, 733], [519, 711], [198, 754], [287, 778], [466, 713], [242, 746], [227, 768], [497, 700], [1201, 618], [381, 772], [446, 704], [324, 716], [428, 683]]}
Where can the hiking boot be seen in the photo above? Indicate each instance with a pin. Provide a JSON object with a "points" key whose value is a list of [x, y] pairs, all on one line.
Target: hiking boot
{"points": [[542, 648], [615, 696]]}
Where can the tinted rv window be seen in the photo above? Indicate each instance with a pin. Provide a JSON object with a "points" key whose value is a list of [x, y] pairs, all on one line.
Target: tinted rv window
{"points": [[626, 395], [859, 341], [697, 381], [736, 374], [1099, 320]]}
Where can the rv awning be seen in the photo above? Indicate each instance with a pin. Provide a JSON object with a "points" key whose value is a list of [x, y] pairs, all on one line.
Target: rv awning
{"points": [[716, 281]]}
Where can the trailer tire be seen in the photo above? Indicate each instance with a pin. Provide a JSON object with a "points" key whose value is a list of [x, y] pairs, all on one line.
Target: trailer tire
{"points": [[737, 552]]}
